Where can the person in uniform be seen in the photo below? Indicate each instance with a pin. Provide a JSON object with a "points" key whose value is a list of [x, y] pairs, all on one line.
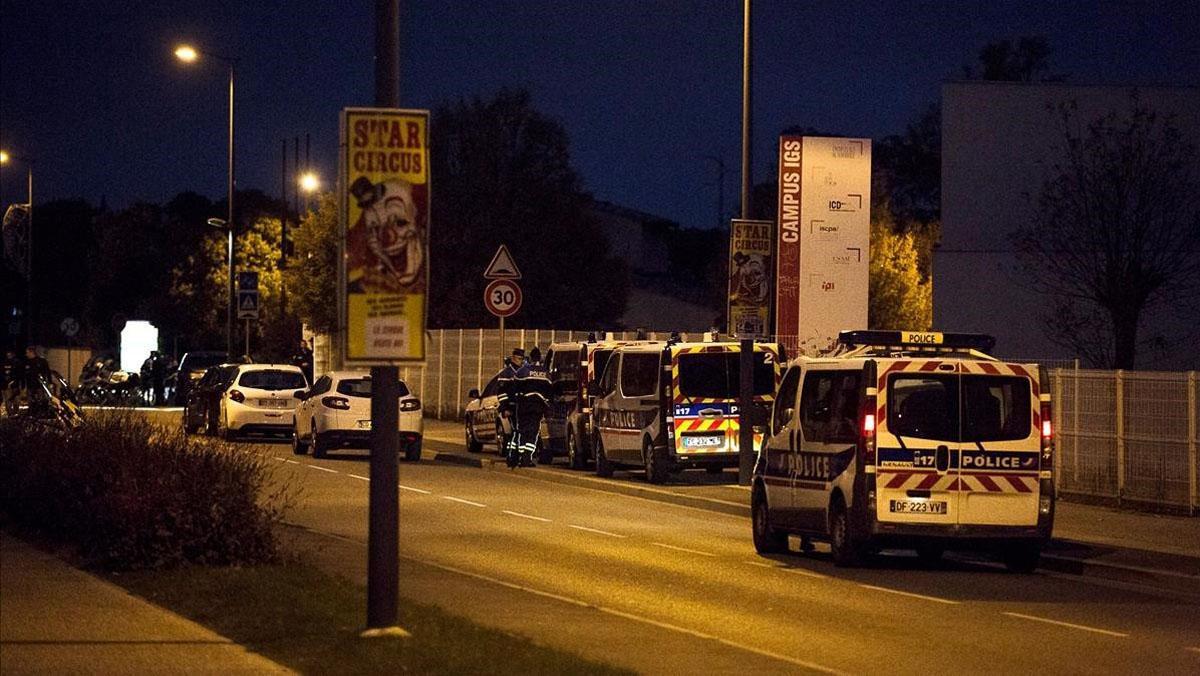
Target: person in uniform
{"points": [[304, 359], [508, 398], [12, 374], [536, 392]]}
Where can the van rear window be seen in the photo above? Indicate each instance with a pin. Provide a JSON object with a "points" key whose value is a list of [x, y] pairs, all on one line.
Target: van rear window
{"points": [[717, 375], [959, 408]]}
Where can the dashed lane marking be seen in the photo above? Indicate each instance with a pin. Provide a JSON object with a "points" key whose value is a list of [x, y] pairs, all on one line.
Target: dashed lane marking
{"points": [[525, 516], [422, 491], [683, 549], [786, 569], [291, 462], [596, 531], [465, 502], [1082, 627], [1191, 649], [910, 594], [325, 469], [758, 563], [360, 478]]}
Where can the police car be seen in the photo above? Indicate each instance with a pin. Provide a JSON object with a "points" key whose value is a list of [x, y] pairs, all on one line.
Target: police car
{"points": [[908, 440], [574, 369], [671, 406]]}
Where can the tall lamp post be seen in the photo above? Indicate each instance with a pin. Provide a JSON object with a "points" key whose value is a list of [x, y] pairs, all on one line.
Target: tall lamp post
{"points": [[188, 54], [5, 158]]}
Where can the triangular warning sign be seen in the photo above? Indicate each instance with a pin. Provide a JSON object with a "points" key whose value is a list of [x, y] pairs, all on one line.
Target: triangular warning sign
{"points": [[502, 266], [249, 302]]}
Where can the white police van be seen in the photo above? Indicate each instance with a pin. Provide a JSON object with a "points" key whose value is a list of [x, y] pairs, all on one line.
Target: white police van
{"points": [[908, 440]]}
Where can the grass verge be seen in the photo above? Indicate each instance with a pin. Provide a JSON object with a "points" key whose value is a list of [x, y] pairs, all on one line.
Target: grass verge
{"points": [[309, 621]]}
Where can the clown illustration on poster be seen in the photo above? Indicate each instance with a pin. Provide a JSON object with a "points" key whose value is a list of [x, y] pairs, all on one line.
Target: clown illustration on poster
{"points": [[386, 217], [749, 277]]}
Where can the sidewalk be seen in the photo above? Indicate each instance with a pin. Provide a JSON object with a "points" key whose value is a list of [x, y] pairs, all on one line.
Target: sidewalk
{"points": [[57, 619]]}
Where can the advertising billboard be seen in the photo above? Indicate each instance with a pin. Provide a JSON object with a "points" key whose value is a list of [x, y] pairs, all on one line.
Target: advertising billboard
{"points": [[749, 304], [385, 234], [823, 246]]}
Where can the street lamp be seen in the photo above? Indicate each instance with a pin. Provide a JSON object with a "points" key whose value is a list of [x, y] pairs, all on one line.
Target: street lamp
{"points": [[5, 158], [309, 183], [189, 54]]}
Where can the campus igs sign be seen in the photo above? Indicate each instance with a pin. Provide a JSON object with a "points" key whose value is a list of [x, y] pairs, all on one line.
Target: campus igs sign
{"points": [[823, 241], [385, 234]]}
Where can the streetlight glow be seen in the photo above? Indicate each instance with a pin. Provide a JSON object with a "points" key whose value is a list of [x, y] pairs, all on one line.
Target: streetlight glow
{"points": [[3, 157], [309, 182], [186, 53]]}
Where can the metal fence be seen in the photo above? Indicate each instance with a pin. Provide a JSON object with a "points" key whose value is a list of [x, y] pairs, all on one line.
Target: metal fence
{"points": [[1128, 436]]}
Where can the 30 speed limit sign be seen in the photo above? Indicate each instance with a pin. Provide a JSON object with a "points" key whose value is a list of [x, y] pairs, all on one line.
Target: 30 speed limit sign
{"points": [[502, 297]]}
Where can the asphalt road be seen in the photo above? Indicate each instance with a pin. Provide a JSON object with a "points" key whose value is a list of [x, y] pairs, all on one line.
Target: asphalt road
{"points": [[668, 588]]}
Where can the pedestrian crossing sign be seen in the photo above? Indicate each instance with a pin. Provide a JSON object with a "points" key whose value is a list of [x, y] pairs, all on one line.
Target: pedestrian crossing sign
{"points": [[247, 307]]}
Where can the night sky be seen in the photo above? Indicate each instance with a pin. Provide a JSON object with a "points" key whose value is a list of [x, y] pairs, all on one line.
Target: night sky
{"points": [[645, 89]]}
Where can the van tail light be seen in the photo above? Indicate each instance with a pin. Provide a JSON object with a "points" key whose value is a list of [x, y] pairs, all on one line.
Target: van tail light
{"points": [[340, 403], [1047, 435], [237, 396], [413, 404], [866, 426]]}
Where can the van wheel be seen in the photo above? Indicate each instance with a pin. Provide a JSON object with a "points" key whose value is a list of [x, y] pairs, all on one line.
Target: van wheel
{"points": [[298, 445], [657, 469], [319, 446], [767, 540], [1022, 557], [574, 453], [604, 468], [473, 446], [843, 541]]}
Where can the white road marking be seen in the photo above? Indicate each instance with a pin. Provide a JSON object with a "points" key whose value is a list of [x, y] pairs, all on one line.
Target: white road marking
{"points": [[1191, 649], [325, 469], [910, 594], [422, 491], [355, 476], [630, 616], [291, 462], [597, 531], [786, 569], [465, 502], [759, 564], [681, 549], [526, 516], [280, 459], [1083, 627]]}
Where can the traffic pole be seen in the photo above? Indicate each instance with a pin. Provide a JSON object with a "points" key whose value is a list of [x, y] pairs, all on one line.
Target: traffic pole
{"points": [[383, 539], [745, 419]]}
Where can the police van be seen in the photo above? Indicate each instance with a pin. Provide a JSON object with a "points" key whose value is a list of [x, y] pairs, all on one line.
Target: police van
{"points": [[908, 440], [668, 406], [574, 369]]}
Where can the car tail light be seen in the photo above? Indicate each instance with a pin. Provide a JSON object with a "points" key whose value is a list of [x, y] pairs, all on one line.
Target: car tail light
{"points": [[340, 403], [1047, 434], [237, 396], [866, 426], [410, 404]]}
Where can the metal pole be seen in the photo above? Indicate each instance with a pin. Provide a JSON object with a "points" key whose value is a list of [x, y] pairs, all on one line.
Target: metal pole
{"points": [[1193, 498], [247, 352], [441, 369], [383, 546], [29, 256], [458, 405], [1120, 384], [283, 220], [229, 223], [747, 182], [479, 363], [745, 420], [502, 345]]}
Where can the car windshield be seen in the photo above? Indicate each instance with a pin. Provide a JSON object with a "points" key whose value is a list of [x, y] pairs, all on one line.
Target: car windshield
{"points": [[717, 375], [273, 380], [198, 361], [361, 387]]}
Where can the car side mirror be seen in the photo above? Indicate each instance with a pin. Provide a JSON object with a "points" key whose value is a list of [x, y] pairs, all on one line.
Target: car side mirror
{"points": [[300, 394], [474, 393]]}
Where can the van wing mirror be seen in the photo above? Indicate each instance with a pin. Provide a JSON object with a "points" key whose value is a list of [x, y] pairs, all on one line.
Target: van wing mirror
{"points": [[300, 394], [473, 394]]}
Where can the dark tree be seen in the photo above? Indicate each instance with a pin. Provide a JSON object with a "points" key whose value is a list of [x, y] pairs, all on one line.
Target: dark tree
{"points": [[907, 171], [1115, 232], [1024, 60], [502, 175]]}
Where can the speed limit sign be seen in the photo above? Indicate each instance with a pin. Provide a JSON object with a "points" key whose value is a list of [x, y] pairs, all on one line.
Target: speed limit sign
{"points": [[502, 297]]}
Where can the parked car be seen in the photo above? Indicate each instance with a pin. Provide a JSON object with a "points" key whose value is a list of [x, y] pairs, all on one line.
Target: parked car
{"points": [[336, 413], [192, 368], [481, 420], [260, 399], [202, 406]]}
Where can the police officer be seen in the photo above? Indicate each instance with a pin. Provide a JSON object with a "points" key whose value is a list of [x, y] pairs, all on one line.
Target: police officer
{"points": [[37, 378], [12, 373], [303, 358], [158, 376], [508, 397], [536, 392]]}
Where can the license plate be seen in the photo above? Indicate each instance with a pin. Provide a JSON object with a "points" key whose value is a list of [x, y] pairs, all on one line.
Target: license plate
{"points": [[273, 403], [364, 424], [917, 507], [703, 442]]}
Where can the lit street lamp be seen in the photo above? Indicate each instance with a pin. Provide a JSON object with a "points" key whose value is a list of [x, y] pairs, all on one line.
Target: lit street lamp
{"points": [[309, 183], [5, 158], [189, 54]]}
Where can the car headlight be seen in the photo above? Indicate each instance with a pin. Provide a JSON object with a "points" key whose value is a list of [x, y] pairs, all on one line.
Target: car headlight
{"points": [[410, 405]]}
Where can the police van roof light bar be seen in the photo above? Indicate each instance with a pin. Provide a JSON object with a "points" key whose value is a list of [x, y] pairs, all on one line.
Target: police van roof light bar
{"points": [[920, 339]]}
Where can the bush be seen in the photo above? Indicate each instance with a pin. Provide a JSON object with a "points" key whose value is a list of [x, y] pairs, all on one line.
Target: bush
{"points": [[130, 495]]}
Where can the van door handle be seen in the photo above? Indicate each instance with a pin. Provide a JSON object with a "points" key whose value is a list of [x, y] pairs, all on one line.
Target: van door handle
{"points": [[710, 412]]}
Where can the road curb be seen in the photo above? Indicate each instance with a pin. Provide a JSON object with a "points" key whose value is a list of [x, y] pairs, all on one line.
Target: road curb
{"points": [[459, 459], [1180, 583]]}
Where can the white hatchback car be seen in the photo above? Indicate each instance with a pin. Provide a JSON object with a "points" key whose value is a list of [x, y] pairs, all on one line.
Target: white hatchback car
{"points": [[260, 399], [336, 413]]}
